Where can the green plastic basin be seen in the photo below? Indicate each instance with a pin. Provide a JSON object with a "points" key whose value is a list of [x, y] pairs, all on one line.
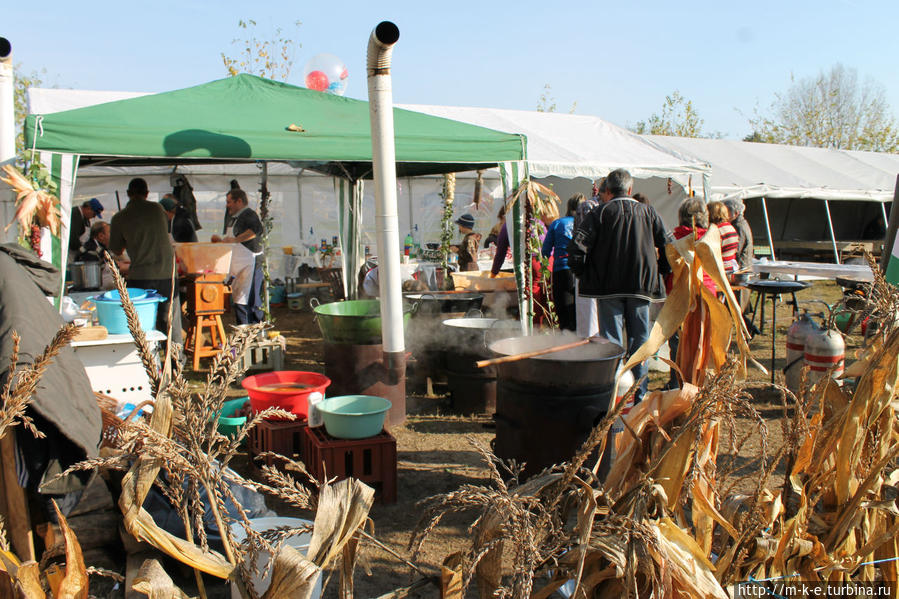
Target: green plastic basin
{"points": [[354, 416], [228, 422], [353, 321]]}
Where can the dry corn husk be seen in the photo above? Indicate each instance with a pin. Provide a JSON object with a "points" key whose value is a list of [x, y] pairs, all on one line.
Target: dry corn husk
{"points": [[688, 259], [31, 203]]}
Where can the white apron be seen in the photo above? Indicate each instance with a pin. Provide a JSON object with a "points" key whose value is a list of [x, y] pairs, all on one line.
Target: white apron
{"points": [[243, 263]]}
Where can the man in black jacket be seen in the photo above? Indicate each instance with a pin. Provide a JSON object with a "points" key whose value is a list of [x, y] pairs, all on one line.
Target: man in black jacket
{"points": [[618, 254]]}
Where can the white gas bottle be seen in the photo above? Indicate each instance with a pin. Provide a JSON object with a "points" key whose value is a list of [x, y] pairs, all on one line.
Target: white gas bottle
{"points": [[824, 349], [796, 336]]}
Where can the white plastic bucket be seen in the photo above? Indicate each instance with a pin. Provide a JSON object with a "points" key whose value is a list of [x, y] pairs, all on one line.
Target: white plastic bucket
{"points": [[298, 542]]}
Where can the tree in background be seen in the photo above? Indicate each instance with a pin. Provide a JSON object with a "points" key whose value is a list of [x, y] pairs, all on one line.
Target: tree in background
{"points": [[832, 110], [270, 58], [678, 117], [547, 102], [21, 83]]}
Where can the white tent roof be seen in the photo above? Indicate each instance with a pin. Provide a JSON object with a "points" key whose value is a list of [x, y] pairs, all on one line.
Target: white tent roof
{"points": [[48, 100], [746, 170], [564, 145], [573, 145]]}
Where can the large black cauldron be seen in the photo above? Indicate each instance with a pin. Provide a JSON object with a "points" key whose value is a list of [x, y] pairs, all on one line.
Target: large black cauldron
{"points": [[432, 303], [473, 390], [546, 406]]}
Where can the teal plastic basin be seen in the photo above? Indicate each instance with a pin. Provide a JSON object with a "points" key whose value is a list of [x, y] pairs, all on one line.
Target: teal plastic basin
{"points": [[111, 314], [229, 424], [354, 416]]}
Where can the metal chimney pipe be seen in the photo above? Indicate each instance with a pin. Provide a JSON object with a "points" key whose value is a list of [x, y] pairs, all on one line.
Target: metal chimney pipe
{"points": [[383, 155], [380, 47], [7, 135], [7, 104]]}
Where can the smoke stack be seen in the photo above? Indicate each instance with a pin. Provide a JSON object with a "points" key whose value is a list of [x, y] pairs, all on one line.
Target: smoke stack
{"points": [[383, 154], [7, 105]]}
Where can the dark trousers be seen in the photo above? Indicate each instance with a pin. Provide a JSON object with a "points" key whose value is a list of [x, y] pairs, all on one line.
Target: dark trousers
{"points": [[250, 313], [563, 298], [165, 288]]}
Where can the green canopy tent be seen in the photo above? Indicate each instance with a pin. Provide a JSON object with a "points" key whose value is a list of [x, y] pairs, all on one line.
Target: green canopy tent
{"points": [[251, 119]]}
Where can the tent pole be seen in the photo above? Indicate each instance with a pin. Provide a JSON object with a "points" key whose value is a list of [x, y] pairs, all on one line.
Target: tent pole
{"points": [[833, 239], [890, 239], [300, 203], [883, 211], [768, 228], [266, 232]]}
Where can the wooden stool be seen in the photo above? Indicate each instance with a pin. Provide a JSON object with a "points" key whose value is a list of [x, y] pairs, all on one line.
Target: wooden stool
{"points": [[217, 337]]}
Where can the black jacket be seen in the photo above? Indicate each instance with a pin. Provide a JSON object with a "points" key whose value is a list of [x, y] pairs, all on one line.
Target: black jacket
{"points": [[619, 251]]}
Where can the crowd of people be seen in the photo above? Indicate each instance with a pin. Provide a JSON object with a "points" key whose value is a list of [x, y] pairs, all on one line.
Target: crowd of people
{"points": [[140, 237], [608, 260]]}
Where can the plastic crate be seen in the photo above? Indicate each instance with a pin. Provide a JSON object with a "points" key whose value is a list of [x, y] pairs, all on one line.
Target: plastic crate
{"points": [[372, 460], [284, 437], [264, 355]]}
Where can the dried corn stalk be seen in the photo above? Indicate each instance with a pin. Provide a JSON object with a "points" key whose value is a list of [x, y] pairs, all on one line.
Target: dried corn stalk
{"points": [[32, 204]]}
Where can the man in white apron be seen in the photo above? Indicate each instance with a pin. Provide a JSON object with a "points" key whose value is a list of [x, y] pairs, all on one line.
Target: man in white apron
{"points": [[244, 229]]}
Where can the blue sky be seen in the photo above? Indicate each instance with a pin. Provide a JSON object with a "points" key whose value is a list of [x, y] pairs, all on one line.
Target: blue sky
{"points": [[615, 60]]}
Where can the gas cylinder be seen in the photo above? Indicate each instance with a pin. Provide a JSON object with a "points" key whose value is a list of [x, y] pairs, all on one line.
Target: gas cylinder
{"points": [[796, 336], [824, 349]]}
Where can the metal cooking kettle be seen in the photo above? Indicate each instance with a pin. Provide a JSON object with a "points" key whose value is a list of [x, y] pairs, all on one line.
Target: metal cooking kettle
{"points": [[86, 275]]}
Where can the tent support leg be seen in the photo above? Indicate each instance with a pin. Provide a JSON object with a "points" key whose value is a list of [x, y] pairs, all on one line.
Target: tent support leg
{"points": [[768, 229], [883, 211], [833, 238], [300, 203]]}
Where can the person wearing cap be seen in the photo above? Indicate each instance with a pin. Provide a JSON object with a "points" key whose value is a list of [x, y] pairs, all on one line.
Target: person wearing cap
{"points": [[181, 229], [468, 248], [80, 222], [244, 229], [141, 227]]}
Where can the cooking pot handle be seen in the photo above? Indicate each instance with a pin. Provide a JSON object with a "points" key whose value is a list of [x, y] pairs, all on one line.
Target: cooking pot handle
{"points": [[314, 302], [475, 313], [415, 307]]}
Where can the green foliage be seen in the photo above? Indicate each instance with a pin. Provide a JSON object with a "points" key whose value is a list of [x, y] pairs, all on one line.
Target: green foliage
{"points": [[38, 172], [678, 117], [446, 220], [547, 102], [21, 83], [831, 110], [269, 57]]}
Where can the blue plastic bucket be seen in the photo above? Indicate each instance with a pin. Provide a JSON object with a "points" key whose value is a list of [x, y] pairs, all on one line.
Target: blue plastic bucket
{"points": [[135, 293], [111, 314], [276, 294]]}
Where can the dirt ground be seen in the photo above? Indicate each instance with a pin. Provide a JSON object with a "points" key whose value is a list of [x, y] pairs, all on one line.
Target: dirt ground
{"points": [[435, 455]]}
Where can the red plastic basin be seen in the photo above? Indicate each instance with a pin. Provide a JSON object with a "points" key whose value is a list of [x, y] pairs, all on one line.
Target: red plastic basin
{"points": [[263, 396]]}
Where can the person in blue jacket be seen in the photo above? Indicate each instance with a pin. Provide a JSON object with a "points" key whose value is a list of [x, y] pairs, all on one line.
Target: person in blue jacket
{"points": [[556, 244]]}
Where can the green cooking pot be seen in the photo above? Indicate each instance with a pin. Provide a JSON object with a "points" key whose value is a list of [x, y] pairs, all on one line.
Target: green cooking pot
{"points": [[353, 321]]}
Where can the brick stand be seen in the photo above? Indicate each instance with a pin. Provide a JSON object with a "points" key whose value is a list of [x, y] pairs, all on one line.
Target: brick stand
{"points": [[280, 436], [371, 460]]}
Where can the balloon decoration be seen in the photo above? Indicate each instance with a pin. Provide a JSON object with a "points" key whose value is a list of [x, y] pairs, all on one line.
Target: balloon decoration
{"points": [[326, 73]]}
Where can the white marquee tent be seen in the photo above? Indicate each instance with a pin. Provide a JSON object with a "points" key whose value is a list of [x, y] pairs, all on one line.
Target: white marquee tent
{"points": [[852, 186], [566, 151]]}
